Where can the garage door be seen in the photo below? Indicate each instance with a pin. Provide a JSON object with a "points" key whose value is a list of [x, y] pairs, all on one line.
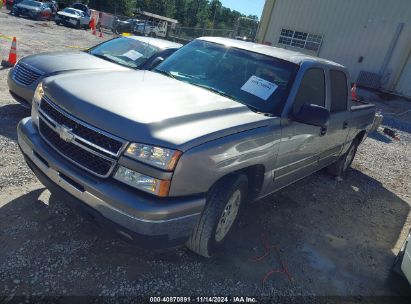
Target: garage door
{"points": [[404, 84]]}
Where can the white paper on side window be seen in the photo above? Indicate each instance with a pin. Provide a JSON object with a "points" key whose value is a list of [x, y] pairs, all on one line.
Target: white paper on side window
{"points": [[259, 87], [133, 55]]}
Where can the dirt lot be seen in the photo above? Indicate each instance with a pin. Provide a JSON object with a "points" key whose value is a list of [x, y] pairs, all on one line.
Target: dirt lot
{"points": [[335, 238]]}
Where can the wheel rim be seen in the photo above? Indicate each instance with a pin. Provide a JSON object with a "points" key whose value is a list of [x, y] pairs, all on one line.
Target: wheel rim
{"points": [[228, 216], [349, 158]]}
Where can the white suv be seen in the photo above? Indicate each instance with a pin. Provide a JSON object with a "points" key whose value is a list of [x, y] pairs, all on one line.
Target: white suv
{"points": [[73, 17]]}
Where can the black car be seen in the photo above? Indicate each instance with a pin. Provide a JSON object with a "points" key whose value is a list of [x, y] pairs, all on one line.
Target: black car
{"points": [[33, 9]]}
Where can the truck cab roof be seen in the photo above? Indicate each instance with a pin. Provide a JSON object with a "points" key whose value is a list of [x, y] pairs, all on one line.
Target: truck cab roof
{"points": [[291, 56]]}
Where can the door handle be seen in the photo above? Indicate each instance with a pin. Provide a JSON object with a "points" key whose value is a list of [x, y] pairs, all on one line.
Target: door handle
{"points": [[323, 131], [345, 125]]}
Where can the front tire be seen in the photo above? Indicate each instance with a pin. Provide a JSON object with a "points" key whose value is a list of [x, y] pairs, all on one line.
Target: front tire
{"points": [[340, 167], [223, 206]]}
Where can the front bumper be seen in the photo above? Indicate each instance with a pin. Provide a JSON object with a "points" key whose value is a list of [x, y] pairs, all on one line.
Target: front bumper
{"points": [[67, 22], [22, 93], [133, 212]]}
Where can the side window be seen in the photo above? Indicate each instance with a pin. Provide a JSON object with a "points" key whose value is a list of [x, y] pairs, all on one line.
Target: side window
{"points": [[339, 91], [312, 89]]}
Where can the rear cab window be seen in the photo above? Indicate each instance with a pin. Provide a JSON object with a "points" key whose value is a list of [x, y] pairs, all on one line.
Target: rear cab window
{"points": [[339, 91]]}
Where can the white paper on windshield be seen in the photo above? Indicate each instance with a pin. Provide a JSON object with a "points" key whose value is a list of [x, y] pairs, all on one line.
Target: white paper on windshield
{"points": [[133, 55], [259, 87]]}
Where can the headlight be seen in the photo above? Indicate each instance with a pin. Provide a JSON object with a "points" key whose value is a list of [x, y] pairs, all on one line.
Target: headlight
{"points": [[142, 182], [38, 95], [162, 158]]}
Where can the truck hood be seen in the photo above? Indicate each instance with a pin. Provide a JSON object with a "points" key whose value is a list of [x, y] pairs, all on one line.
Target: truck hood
{"points": [[148, 107], [55, 62]]}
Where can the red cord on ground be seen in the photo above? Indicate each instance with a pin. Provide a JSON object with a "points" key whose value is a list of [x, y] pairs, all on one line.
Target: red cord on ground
{"points": [[267, 249]]}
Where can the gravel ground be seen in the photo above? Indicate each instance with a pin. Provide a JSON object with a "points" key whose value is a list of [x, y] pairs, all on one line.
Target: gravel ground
{"points": [[334, 238]]}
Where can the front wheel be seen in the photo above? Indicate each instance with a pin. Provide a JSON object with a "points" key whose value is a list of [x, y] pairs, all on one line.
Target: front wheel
{"points": [[339, 168], [223, 206]]}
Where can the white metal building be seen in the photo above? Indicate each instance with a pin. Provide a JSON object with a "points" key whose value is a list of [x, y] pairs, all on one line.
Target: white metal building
{"points": [[370, 37]]}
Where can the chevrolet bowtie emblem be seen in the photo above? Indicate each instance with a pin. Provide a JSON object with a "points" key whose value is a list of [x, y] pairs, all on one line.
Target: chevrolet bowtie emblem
{"points": [[65, 133]]}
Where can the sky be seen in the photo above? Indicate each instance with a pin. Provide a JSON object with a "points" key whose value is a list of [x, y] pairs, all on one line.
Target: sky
{"points": [[247, 7]]}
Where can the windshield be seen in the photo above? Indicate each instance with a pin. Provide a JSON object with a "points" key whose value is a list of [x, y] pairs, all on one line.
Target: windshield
{"points": [[31, 3], [125, 51], [258, 81], [71, 11]]}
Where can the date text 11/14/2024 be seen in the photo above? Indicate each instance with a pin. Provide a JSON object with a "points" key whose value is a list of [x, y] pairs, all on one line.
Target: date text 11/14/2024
{"points": [[239, 299]]}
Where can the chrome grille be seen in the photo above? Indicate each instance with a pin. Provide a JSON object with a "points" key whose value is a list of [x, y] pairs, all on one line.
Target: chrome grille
{"points": [[91, 149], [92, 162], [106, 143], [25, 75]]}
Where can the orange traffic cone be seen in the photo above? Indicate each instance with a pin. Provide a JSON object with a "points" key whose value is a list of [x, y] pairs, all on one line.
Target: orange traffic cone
{"points": [[12, 55], [93, 26]]}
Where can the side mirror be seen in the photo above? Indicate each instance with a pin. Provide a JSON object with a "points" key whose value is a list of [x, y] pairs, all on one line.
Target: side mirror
{"points": [[156, 62], [314, 115]]}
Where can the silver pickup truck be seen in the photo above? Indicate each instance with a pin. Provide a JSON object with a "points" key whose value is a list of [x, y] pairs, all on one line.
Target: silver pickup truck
{"points": [[175, 154]]}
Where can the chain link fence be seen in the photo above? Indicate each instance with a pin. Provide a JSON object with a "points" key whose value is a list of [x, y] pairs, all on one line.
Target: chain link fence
{"points": [[161, 29]]}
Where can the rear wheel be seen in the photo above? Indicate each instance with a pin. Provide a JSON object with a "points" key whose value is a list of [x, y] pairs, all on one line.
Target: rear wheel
{"points": [[224, 202], [340, 167], [78, 25]]}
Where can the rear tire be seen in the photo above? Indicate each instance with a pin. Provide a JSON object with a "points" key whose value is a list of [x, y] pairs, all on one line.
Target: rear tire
{"points": [[339, 168], [221, 212]]}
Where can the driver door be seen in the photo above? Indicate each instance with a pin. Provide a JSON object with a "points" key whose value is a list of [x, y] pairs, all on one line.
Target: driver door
{"points": [[301, 144]]}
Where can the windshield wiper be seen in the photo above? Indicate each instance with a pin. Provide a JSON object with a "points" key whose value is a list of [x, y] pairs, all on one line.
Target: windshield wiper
{"points": [[165, 73], [221, 93], [254, 109], [102, 56], [105, 57]]}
